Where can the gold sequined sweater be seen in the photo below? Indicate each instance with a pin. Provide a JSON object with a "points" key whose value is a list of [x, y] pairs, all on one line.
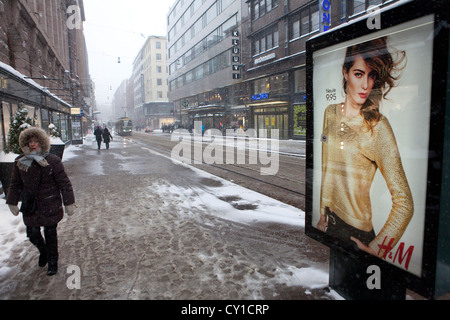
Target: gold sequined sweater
{"points": [[351, 155]]}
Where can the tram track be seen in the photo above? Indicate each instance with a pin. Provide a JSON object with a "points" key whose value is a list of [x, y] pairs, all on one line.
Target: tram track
{"points": [[287, 185]]}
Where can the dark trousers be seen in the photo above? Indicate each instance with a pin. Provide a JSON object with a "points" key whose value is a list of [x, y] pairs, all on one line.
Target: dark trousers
{"points": [[99, 144], [50, 244], [343, 231]]}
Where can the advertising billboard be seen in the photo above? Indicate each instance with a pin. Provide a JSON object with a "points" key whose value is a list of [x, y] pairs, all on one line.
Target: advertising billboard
{"points": [[375, 106]]}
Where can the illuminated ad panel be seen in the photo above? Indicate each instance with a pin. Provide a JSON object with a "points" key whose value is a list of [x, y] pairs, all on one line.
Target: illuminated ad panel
{"points": [[375, 106]]}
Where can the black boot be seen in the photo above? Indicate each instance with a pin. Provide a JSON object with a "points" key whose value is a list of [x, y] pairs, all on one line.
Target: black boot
{"points": [[34, 234], [52, 266], [43, 255], [51, 239]]}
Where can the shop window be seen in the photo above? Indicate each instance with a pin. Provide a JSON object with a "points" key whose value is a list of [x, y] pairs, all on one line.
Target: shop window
{"points": [[279, 84], [31, 111], [14, 108], [37, 118], [55, 117], [261, 86], [64, 127], [6, 108], [45, 119], [300, 80]]}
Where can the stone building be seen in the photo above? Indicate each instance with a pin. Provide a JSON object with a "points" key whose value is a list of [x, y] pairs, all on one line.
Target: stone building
{"points": [[43, 41]]}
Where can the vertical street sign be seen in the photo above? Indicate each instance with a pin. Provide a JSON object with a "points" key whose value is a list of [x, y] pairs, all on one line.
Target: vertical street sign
{"points": [[325, 15]]}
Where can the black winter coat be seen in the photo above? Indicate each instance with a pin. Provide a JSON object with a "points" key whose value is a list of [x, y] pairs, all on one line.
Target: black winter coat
{"points": [[98, 134], [106, 136], [54, 185]]}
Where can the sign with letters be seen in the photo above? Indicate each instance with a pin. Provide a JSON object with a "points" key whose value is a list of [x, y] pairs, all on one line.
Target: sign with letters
{"points": [[324, 15], [260, 96], [235, 58]]}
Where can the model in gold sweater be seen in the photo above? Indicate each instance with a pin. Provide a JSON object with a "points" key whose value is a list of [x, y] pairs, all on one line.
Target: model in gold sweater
{"points": [[358, 140]]}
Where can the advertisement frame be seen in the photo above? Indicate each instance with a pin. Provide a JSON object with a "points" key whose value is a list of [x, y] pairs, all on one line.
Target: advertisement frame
{"points": [[390, 17]]}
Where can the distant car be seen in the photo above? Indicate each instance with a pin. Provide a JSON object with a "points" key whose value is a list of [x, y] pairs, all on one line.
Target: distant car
{"points": [[148, 129]]}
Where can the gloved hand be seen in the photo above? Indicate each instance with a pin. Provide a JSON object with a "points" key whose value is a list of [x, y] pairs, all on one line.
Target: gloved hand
{"points": [[14, 209], [70, 209]]}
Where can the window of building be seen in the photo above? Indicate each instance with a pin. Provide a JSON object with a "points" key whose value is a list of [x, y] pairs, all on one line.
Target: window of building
{"points": [[189, 77], [274, 85], [304, 21], [295, 29], [359, 6], [375, 2], [353, 7], [218, 63], [211, 14], [300, 80], [265, 40], [222, 32], [6, 107], [260, 7], [159, 82], [158, 56], [314, 18]]}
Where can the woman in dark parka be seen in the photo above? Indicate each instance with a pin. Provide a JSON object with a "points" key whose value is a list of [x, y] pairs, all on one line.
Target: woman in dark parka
{"points": [[107, 137], [98, 132], [36, 166]]}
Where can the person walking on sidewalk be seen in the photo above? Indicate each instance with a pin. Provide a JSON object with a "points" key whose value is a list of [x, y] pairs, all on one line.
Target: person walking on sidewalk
{"points": [[98, 136], [39, 173], [107, 137]]}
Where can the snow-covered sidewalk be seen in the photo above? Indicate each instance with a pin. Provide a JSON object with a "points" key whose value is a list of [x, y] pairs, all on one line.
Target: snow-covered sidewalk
{"points": [[148, 228]]}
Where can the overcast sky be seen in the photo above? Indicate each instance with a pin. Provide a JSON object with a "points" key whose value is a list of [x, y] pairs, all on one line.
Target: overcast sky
{"points": [[117, 28]]}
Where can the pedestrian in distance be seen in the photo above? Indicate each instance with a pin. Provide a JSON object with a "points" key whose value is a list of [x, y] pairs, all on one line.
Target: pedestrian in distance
{"points": [[107, 137], [98, 136], [40, 182]]}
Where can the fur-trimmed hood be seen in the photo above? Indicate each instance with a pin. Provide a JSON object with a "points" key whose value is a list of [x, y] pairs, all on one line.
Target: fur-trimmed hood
{"points": [[33, 132]]}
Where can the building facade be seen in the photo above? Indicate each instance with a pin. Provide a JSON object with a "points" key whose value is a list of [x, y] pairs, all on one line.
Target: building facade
{"points": [[119, 103], [149, 78], [204, 45], [275, 33], [42, 47], [248, 72]]}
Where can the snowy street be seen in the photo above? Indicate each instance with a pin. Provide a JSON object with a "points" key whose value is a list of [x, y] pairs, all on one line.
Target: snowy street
{"points": [[149, 228]]}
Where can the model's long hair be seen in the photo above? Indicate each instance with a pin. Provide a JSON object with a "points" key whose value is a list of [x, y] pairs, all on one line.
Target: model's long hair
{"points": [[387, 68]]}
